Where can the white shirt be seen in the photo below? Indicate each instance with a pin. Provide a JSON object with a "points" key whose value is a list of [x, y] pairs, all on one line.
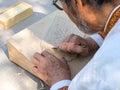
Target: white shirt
{"points": [[103, 71]]}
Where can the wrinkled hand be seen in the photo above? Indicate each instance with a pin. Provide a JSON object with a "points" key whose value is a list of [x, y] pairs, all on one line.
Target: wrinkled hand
{"points": [[75, 45], [49, 68]]}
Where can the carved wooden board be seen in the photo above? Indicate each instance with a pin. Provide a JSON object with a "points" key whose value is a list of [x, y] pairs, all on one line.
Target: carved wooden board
{"points": [[45, 34]]}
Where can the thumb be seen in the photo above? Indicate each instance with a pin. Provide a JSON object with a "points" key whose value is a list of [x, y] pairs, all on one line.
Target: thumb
{"points": [[80, 50]]}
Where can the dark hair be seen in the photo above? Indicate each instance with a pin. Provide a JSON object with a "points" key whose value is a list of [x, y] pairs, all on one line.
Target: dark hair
{"points": [[68, 2], [100, 2], [91, 2]]}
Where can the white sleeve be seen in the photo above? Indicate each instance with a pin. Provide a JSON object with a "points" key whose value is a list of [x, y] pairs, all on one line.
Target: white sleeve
{"points": [[60, 84], [98, 39]]}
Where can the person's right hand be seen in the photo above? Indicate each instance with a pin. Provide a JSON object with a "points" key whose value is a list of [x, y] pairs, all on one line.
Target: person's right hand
{"points": [[75, 44], [49, 68]]}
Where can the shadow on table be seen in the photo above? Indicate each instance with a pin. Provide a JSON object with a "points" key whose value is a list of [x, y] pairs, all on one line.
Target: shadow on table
{"points": [[27, 22], [40, 84]]}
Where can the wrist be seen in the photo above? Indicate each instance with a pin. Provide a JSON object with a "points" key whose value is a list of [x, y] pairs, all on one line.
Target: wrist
{"points": [[61, 77], [60, 84], [93, 46]]}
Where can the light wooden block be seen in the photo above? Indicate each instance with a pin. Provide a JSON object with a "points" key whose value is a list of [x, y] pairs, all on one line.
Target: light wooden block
{"points": [[44, 35], [15, 14]]}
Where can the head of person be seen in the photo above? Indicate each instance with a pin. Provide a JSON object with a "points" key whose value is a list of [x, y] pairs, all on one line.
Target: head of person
{"points": [[90, 16]]}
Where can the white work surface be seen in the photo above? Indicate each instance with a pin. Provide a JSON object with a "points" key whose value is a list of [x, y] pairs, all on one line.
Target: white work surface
{"points": [[13, 77]]}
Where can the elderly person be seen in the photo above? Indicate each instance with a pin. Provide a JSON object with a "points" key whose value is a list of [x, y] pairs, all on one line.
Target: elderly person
{"points": [[103, 71]]}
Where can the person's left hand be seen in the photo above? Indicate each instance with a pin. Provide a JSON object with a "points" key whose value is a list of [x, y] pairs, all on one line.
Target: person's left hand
{"points": [[49, 68]]}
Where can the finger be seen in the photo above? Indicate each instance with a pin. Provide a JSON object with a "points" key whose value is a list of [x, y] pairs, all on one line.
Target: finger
{"points": [[72, 48], [37, 56], [78, 49], [41, 75], [35, 69], [41, 59], [67, 47], [76, 39], [48, 55], [35, 61], [63, 46], [67, 39]]}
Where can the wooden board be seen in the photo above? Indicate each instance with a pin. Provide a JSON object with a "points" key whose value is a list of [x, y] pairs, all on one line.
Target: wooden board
{"points": [[44, 35], [15, 14]]}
